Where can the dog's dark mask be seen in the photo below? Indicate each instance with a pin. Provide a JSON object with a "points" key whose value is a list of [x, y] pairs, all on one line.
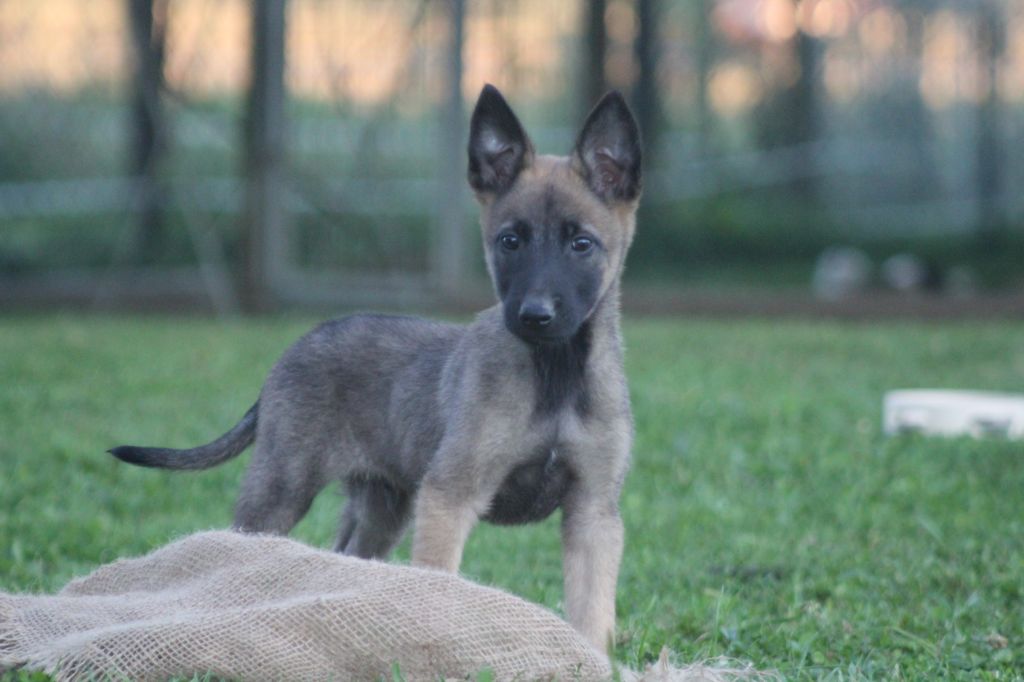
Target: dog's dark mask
{"points": [[547, 272], [546, 249]]}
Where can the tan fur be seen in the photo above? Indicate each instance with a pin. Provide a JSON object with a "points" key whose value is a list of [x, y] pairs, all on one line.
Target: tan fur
{"points": [[598, 447], [442, 528]]}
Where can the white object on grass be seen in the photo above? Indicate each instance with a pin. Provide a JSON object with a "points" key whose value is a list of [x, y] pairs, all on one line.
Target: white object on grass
{"points": [[954, 413]]}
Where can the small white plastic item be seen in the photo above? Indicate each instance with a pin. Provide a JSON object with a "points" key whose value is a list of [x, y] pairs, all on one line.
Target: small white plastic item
{"points": [[955, 413]]}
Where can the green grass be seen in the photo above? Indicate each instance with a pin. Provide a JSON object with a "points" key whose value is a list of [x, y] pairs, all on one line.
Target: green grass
{"points": [[767, 517]]}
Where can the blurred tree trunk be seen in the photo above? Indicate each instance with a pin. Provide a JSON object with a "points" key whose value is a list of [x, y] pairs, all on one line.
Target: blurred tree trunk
{"points": [[912, 111], [789, 118], [265, 226], [645, 95], [595, 50], [705, 61], [803, 115], [990, 39], [704, 34], [148, 20], [449, 247]]}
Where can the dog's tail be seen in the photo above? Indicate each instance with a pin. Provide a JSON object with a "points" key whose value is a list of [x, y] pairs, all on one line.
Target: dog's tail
{"points": [[203, 457]]}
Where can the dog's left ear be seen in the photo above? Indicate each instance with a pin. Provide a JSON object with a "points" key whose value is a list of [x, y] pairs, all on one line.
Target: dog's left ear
{"points": [[608, 151]]}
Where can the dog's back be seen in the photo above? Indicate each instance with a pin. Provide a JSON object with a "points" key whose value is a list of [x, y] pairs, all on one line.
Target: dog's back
{"points": [[362, 392], [356, 396]]}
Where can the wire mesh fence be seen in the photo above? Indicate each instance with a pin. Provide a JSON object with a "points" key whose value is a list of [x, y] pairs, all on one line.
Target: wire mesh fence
{"points": [[775, 128]]}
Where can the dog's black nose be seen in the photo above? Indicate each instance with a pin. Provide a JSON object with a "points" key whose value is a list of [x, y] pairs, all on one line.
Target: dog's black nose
{"points": [[536, 314]]}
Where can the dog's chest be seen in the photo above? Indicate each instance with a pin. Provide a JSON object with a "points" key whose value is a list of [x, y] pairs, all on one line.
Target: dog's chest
{"points": [[531, 491]]}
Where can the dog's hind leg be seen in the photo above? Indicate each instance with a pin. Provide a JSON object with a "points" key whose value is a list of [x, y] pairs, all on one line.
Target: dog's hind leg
{"points": [[276, 493], [347, 527], [374, 519]]}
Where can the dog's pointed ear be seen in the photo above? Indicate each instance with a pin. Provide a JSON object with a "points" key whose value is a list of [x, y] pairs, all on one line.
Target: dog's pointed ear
{"points": [[498, 146], [608, 151]]}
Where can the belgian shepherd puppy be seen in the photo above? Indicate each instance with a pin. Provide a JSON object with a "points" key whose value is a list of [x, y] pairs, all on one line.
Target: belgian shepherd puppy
{"points": [[506, 419]]}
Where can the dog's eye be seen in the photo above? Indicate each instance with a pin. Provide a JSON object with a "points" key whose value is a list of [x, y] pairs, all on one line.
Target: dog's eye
{"points": [[581, 244], [509, 242]]}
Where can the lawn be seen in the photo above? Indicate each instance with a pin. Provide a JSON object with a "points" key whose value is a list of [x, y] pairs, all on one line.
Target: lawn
{"points": [[768, 518]]}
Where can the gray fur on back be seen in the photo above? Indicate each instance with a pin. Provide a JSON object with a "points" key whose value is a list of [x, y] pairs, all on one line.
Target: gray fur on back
{"points": [[364, 391]]}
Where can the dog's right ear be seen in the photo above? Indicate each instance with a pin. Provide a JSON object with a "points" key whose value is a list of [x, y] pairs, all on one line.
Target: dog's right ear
{"points": [[498, 146]]}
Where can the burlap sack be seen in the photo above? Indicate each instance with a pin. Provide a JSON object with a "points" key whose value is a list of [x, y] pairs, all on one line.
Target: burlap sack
{"points": [[268, 608]]}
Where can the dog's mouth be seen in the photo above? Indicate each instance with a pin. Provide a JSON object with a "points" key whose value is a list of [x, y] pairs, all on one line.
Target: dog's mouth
{"points": [[547, 339], [541, 337]]}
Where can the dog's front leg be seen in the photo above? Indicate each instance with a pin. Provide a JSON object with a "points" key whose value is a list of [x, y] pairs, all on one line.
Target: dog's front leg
{"points": [[592, 539], [592, 534], [442, 525]]}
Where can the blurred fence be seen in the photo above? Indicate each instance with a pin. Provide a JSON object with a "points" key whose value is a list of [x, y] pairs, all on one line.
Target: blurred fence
{"points": [[774, 127]]}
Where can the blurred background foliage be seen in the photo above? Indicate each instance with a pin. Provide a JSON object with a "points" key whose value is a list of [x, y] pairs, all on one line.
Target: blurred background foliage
{"points": [[146, 155]]}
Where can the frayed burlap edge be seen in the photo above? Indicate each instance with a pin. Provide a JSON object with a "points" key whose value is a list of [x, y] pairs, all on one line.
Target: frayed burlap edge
{"points": [[714, 670]]}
